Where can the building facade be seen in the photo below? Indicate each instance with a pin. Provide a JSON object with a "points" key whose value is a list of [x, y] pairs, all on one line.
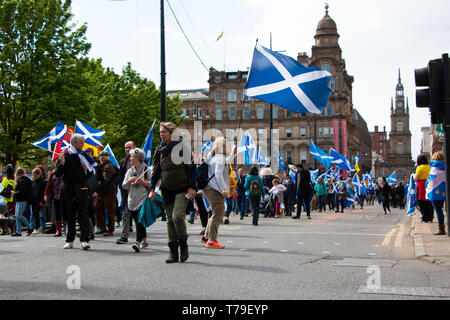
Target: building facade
{"points": [[224, 106], [399, 157]]}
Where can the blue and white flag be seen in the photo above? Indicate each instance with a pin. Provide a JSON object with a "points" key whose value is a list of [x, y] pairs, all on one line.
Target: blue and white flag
{"points": [[279, 79], [357, 183], [56, 134], [349, 201], [292, 171], [411, 196], [392, 178], [207, 146], [147, 147], [280, 160], [112, 158], [320, 155], [314, 174], [248, 147], [91, 135], [262, 159], [436, 184], [341, 161], [327, 175]]}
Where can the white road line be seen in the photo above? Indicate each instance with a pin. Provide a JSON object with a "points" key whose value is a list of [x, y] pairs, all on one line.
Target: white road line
{"points": [[387, 238]]}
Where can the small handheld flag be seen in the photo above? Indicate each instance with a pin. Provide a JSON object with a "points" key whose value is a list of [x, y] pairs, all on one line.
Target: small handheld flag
{"points": [[147, 147], [112, 158], [91, 135]]}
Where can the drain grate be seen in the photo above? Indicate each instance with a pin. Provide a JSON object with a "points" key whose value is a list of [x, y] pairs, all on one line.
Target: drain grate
{"points": [[407, 291], [354, 262]]}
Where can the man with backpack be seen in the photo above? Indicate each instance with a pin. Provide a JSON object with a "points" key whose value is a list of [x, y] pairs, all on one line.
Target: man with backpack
{"points": [[255, 189]]}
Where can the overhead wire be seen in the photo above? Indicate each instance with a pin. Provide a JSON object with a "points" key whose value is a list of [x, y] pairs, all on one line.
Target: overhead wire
{"points": [[186, 37]]}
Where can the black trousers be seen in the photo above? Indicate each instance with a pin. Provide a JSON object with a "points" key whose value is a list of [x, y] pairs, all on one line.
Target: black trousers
{"points": [[426, 208], [75, 207], [141, 232]]}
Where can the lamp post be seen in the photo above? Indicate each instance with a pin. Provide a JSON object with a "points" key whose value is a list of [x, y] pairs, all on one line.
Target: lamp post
{"points": [[163, 67]]}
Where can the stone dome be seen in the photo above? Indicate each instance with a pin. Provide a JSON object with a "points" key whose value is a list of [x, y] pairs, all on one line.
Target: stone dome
{"points": [[326, 26]]}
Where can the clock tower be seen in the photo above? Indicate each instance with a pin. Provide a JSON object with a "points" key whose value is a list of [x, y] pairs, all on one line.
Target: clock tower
{"points": [[400, 135]]}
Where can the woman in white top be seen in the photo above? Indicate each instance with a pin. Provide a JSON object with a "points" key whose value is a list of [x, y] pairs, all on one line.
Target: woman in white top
{"points": [[217, 190]]}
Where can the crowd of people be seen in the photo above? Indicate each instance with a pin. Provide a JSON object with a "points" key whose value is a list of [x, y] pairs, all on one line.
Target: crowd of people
{"points": [[100, 196]]}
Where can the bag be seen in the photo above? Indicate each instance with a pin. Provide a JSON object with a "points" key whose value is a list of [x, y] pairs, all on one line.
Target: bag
{"points": [[202, 175], [255, 188]]}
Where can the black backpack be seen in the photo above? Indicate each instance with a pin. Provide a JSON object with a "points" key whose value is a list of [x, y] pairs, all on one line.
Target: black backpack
{"points": [[202, 175]]}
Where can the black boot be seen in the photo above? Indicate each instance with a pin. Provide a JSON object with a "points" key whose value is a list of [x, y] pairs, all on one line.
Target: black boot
{"points": [[173, 256], [184, 252]]}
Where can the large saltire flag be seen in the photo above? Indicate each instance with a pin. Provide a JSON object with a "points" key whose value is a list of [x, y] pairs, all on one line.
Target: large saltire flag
{"points": [[320, 155], [262, 159], [91, 135], [248, 147], [147, 147], [341, 161], [392, 178], [281, 80], [435, 185], [54, 136], [411, 196], [357, 183]]}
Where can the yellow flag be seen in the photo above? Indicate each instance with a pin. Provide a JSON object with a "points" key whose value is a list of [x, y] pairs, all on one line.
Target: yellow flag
{"points": [[357, 167], [220, 36]]}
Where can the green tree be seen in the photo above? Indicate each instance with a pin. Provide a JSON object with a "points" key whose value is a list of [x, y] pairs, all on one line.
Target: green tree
{"points": [[43, 73]]}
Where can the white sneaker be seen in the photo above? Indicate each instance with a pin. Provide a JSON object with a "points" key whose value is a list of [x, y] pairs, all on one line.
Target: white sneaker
{"points": [[37, 231], [68, 245], [85, 246]]}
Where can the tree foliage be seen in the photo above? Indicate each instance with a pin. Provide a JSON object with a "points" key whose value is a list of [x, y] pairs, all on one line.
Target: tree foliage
{"points": [[46, 77]]}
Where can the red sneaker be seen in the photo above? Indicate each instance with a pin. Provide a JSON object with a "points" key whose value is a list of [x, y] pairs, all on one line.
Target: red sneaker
{"points": [[214, 244]]}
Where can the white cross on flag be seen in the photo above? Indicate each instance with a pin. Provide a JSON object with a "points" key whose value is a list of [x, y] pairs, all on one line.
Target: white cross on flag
{"points": [[91, 135], [281, 80]]}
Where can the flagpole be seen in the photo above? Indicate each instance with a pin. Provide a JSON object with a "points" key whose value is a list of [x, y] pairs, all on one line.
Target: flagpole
{"points": [[163, 67]]}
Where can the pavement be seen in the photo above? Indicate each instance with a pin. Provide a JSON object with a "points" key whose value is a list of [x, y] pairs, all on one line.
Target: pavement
{"points": [[429, 247]]}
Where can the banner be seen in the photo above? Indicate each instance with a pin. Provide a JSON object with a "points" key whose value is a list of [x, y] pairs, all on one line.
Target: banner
{"points": [[344, 138], [62, 145]]}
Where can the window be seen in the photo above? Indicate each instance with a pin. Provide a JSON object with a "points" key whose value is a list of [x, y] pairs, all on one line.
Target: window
{"points": [[232, 95], [219, 96], [233, 113], [232, 76], [260, 134], [274, 112], [303, 156], [289, 157], [332, 85], [320, 132], [331, 131], [260, 114], [246, 113], [288, 133], [399, 126], [326, 132], [325, 67], [288, 114], [329, 110], [303, 132], [400, 148], [244, 96], [183, 113], [218, 113], [199, 112]]}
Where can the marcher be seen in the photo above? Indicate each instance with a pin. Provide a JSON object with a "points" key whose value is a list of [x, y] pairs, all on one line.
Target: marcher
{"points": [[349, 192], [75, 166], [53, 193], [178, 183], [254, 190], [8, 185], [217, 190], [289, 194], [137, 183], [241, 197], [38, 204], [277, 194], [421, 176], [105, 195], [340, 194], [125, 165], [385, 191], [434, 192], [229, 201], [304, 191], [321, 193], [23, 196], [330, 194]]}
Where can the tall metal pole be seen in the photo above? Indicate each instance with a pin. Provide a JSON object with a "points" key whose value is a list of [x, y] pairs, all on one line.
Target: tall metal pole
{"points": [[315, 138], [446, 125], [270, 116], [163, 67]]}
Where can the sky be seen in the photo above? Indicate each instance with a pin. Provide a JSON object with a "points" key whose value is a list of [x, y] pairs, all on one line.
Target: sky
{"points": [[377, 39]]}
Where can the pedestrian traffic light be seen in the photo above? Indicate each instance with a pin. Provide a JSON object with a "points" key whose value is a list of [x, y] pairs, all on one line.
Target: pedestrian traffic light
{"points": [[430, 97]]}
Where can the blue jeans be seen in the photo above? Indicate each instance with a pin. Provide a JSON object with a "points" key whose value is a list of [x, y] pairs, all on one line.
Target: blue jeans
{"points": [[254, 201], [242, 204], [20, 209], [229, 202], [438, 204]]}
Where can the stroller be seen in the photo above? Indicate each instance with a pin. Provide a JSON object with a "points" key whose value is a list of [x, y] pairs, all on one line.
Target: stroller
{"points": [[267, 204]]}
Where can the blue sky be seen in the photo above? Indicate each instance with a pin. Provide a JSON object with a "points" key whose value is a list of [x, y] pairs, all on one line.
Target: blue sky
{"points": [[376, 37]]}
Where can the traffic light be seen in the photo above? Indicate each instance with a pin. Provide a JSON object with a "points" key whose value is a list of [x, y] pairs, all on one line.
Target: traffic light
{"points": [[436, 96]]}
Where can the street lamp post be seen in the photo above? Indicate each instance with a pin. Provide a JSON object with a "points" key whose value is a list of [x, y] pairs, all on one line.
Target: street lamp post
{"points": [[163, 67]]}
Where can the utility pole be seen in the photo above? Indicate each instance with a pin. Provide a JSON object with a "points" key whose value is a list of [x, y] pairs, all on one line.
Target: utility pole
{"points": [[163, 67]]}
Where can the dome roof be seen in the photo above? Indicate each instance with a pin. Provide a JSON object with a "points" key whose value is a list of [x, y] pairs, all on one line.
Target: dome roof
{"points": [[326, 26]]}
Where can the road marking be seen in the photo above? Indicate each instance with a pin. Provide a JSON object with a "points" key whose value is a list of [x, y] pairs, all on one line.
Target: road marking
{"points": [[300, 243], [372, 254], [399, 238], [283, 250], [338, 244], [326, 252], [387, 238]]}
